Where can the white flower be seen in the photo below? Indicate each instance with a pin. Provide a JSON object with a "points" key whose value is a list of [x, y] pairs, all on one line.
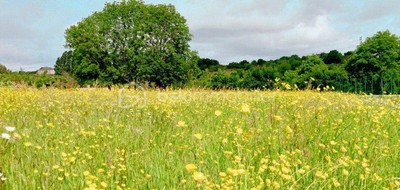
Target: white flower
{"points": [[3, 179], [5, 136], [10, 129], [1, 174]]}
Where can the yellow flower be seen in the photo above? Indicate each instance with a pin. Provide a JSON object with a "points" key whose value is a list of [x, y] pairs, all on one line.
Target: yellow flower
{"points": [[103, 184], [198, 176], [335, 182], [239, 131], [191, 167], [27, 144], [181, 124], [288, 130], [277, 185], [345, 172], [198, 136], [241, 171], [285, 170], [301, 171], [278, 118], [86, 173], [217, 112], [321, 174], [245, 108]]}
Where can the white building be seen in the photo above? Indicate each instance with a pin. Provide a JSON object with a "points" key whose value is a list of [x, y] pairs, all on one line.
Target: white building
{"points": [[46, 70]]}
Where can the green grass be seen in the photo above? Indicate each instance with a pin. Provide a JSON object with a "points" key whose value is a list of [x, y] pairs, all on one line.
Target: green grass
{"points": [[82, 138]]}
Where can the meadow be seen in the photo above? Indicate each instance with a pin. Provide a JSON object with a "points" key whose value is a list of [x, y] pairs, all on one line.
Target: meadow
{"points": [[197, 139]]}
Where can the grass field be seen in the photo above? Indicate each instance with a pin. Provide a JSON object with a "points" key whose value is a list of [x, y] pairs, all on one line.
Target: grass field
{"points": [[197, 139]]}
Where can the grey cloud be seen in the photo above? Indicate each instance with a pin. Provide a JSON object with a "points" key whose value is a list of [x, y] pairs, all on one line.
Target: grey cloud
{"points": [[235, 29]]}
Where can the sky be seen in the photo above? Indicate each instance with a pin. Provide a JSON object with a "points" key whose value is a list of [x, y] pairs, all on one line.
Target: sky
{"points": [[32, 31]]}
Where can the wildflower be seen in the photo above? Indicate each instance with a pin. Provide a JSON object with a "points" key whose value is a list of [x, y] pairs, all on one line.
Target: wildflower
{"points": [[103, 184], [345, 172], [321, 175], [10, 129], [181, 124], [27, 144], [277, 185], [241, 171], [3, 178], [5, 136], [245, 108], [239, 131], [217, 112], [198, 136], [288, 130], [198, 176], [86, 173], [278, 118], [222, 174], [301, 171], [335, 182], [191, 167], [285, 170]]}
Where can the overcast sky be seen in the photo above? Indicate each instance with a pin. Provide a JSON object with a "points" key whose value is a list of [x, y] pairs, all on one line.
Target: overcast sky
{"points": [[32, 31]]}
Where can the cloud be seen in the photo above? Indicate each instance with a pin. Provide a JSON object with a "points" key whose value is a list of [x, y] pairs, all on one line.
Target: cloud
{"points": [[231, 30], [32, 32]]}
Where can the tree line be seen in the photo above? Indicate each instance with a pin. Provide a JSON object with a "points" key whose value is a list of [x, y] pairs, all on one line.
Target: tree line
{"points": [[374, 67], [149, 44]]}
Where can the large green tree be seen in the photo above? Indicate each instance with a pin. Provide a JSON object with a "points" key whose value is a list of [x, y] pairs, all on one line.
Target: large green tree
{"points": [[132, 41], [377, 60], [377, 54]]}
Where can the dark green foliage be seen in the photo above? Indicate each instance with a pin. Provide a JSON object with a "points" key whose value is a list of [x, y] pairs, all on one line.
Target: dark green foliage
{"points": [[3, 69], [131, 41], [210, 64], [333, 57], [377, 59], [223, 80], [65, 63], [241, 65], [35, 80]]}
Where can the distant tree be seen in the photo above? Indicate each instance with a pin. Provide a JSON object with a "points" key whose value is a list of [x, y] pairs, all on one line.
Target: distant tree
{"points": [[65, 63], [3, 69], [261, 62], [206, 63], [241, 65], [131, 41], [333, 57], [347, 55]]}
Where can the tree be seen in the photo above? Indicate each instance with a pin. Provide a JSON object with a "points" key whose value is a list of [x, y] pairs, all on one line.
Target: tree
{"points": [[333, 57], [3, 69], [131, 41], [208, 63], [65, 63], [378, 54], [377, 60]]}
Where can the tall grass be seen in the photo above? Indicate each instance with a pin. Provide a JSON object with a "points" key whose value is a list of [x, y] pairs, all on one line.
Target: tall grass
{"points": [[126, 139]]}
